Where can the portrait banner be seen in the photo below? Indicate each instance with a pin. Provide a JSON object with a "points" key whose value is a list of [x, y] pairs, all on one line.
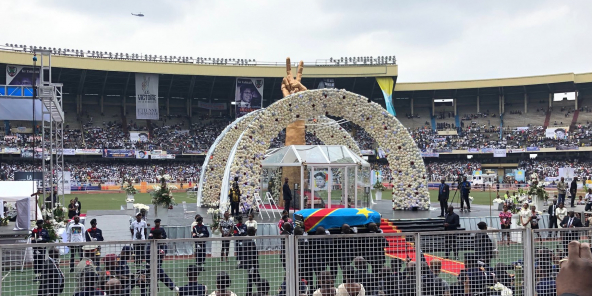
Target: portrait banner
{"points": [[141, 136], [321, 180], [556, 133], [119, 153], [248, 95], [499, 153], [141, 154], [147, 96]]}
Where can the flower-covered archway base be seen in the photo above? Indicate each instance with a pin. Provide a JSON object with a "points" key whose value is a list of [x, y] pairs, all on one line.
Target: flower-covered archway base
{"points": [[407, 167]]}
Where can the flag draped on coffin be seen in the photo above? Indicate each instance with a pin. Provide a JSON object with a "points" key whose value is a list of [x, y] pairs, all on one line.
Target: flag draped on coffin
{"points": [[335, 218], [386, 85]]}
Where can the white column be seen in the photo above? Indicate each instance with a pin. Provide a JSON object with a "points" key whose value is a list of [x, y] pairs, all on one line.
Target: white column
{"points": [[525, 103], [478, 104], [577, 94], [356, 188], [345, 195], [550, 100], [301, 187], [411, 106]]}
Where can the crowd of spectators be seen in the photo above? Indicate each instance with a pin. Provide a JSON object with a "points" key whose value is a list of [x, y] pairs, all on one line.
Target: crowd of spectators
{"points": [[449, 170], [114, 171], [550, 168]]}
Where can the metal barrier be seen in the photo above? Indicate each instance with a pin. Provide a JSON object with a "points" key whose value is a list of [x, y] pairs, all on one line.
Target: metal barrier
{"points": [[427, 263]]}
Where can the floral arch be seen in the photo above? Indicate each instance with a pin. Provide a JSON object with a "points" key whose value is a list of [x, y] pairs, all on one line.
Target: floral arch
{"points": [[213, 169], [407, 167]]}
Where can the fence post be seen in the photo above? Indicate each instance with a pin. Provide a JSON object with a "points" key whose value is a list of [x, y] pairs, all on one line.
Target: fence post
{"points": [[292, 267], [153, 267], [528, 269], [1, 268], [418, 264]]}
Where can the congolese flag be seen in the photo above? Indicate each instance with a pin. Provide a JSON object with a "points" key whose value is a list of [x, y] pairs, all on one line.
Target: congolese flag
{"points": [[334, 218]]}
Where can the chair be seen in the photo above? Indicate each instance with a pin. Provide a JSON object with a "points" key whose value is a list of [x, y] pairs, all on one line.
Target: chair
{"points": [[185, 211]]}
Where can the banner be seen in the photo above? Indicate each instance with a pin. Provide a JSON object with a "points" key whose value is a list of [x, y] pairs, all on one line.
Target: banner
{"points": [[567, 147], [21, 75], [442, 150], [119, 153], [248, 95], [28, 176], [474, 150], [486, 150], [11, 151], [381, 153], [147, 96], [425, 154], [211, 106], [141, 154], [142, 136], [174, 151], [326, 83], [515, 150], [367, 152], [556, 133], [522, 128], [37, 154], [67, 186], [162, 156], [88, 151], [567, 173], [64, 151], [519, 176], [499, 153], [533, 149], [194, 152], [386, 85]]}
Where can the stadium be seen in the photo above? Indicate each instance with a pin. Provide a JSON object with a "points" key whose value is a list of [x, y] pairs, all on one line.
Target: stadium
{"points": [[374, 216]]}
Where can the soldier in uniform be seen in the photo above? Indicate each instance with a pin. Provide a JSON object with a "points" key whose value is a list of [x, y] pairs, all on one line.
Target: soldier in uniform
{"points": [[144, 281], [240, 229], [234, 195], [156, 228], [51, 282], [89, 282], [39, 236], [200, 231], [93, 233]]}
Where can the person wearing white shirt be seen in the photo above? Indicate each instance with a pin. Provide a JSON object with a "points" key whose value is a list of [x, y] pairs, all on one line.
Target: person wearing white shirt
{"points": [[588, 199], [139, 231], [561, 213], [524, 216], [75, 233], [251, 222]]}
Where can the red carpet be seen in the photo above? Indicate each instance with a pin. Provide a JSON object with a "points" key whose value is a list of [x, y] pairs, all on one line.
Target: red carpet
{"points": [[401, 249]]}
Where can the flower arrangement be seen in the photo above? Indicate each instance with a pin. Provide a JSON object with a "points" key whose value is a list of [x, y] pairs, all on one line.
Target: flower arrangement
{"points": [[498, 200], [378, 186], [276, 184], [471, 198], [539, 191], [53, 220], [216, 216], [129, 188], [59, 212], [140, 207], [407, 166], [162, 196], [503, 290]]}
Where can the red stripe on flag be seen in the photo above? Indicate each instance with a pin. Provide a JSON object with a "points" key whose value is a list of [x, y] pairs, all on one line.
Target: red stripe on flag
{"points": [[311, 221]]}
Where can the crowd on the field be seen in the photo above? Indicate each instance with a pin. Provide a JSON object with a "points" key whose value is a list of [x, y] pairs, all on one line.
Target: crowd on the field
{"points": [[114, 171]]}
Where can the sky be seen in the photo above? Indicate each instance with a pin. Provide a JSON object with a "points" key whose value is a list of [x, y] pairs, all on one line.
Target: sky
{"points": [[432, 40]]}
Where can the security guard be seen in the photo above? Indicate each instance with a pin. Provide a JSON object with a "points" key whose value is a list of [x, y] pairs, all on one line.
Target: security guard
{"points": [[234, 195], [93, 233]]}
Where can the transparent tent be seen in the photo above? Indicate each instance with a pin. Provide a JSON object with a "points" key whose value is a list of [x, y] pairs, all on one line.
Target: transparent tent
{"points": [[330, 175]]}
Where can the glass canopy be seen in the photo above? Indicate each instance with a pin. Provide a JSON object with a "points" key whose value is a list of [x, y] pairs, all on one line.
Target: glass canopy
{"points": [[316, 155]]}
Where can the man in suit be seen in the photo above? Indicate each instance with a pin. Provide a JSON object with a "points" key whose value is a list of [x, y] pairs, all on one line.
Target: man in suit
{"points": [[443, 194], [552, 216], [465, 189], [287, 196], [52, 278], [570, 222], [483, 245], [451, 222], [573, 190]]}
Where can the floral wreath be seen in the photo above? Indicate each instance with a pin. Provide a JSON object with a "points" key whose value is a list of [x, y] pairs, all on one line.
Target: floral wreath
{"points": [[407, 166]]}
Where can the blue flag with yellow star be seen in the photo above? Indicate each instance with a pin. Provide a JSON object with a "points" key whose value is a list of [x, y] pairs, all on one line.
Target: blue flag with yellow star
{"points": [[335, 218]]}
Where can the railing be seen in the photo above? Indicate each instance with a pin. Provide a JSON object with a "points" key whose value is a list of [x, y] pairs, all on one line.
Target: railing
{"points": [[469, 262], [350, 61]]}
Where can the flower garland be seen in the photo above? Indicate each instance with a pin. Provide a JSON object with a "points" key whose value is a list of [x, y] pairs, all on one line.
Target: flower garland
{"points": [[162, 196], [538, 190], [331, 133], [216, 214], [407, 166]]}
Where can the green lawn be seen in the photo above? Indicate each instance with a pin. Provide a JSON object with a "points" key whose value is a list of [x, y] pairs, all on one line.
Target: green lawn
{"points": [[113, 201]]}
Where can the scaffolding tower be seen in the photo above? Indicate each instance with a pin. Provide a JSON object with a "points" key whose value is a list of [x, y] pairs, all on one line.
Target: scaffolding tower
{"points": [[52, 137]]}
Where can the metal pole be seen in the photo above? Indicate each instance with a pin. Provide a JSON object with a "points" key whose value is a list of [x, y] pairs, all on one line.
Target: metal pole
{"points": [[528, 267], [489, 200], [418, 263], [292, 268], [153, 268]]}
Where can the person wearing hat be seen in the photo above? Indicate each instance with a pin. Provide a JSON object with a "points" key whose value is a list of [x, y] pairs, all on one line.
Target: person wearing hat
{"points": [[52, 279], [39, 236], [93, 233], [157, 228], [139, 231], [200, 231], [193, 287], [161, 274], [75, 233]]}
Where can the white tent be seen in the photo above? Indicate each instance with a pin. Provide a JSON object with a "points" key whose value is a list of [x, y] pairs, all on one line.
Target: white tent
{"points": [[20, 192]]}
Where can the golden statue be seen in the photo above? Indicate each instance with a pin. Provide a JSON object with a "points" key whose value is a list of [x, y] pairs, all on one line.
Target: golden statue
{"points": [[291, 85]]}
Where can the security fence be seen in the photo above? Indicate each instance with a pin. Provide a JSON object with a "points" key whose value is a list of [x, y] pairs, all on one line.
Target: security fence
{"points": [[401, 264]]}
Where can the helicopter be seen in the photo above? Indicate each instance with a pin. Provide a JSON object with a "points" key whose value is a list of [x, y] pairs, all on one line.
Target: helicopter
{"points": [[139, 14]]}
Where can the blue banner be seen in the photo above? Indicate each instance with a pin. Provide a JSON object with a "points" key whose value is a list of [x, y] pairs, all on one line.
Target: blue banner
{"points": [[474, 150], [442, 150], [425, 154], [119, 153], [519, 175], [533, 149], [486, 150]]}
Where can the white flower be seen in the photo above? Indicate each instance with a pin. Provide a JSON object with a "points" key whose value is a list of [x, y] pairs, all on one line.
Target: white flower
{"points": [[166, 177], [173, 187], [497, 200], [158, 177], [470, 198], [141, 207], [156, 187], [129, 200]]}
